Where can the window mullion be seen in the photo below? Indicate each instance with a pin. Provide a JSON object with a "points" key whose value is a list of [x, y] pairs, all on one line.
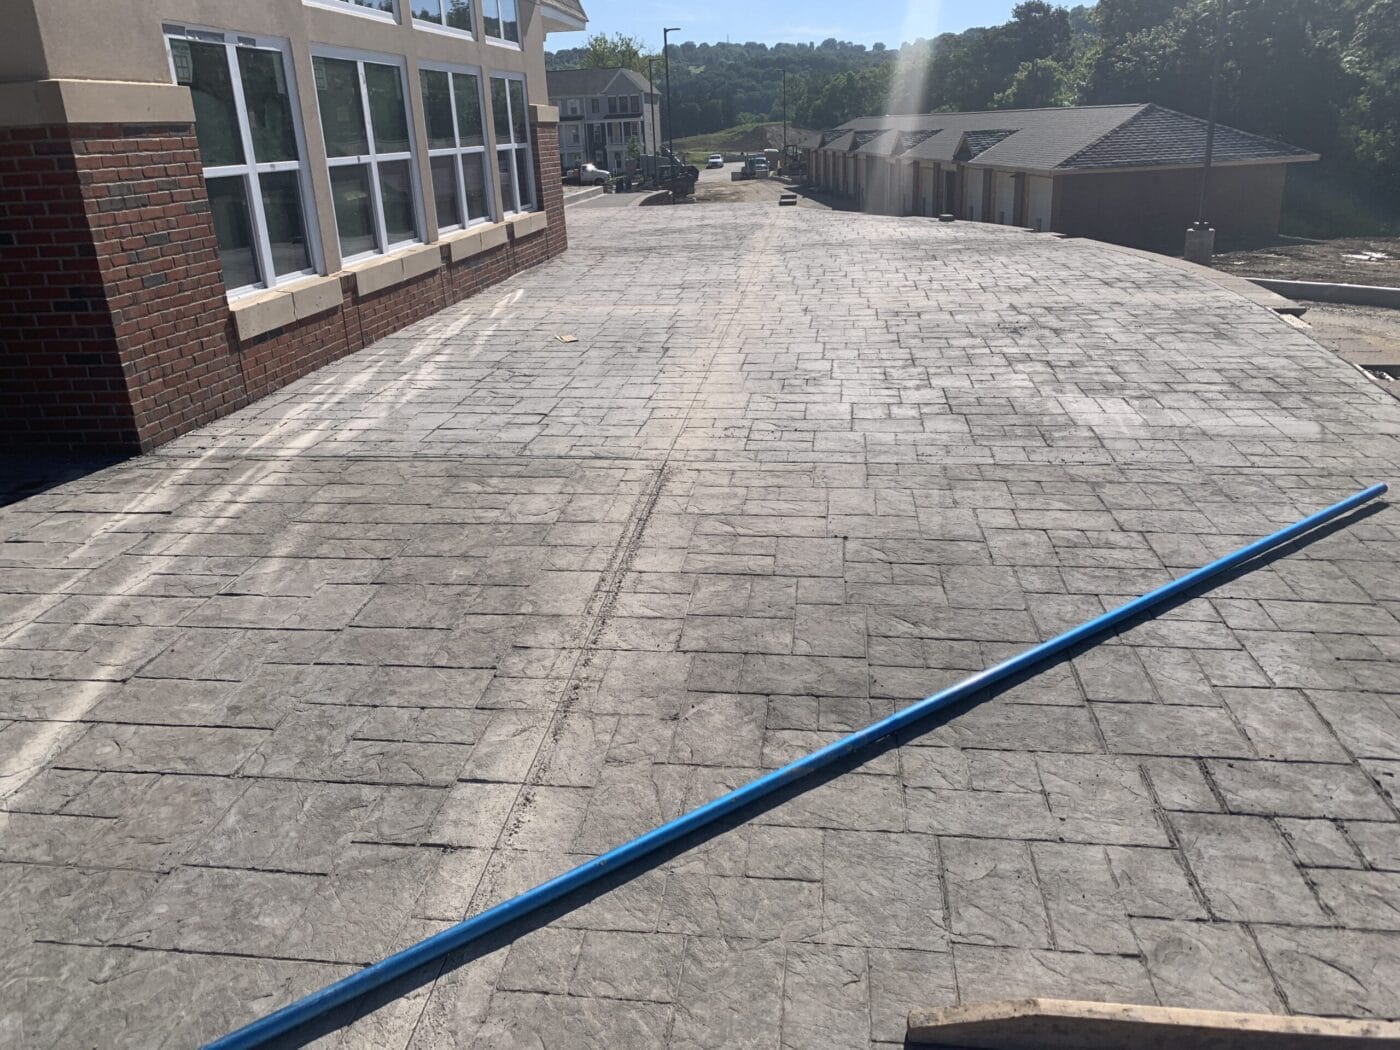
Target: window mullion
{"points": [[262, 247], [376, 200], [458, 179]]}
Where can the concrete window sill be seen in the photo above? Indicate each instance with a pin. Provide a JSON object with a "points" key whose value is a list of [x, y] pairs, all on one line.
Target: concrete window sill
{"points": [[465, 244], [374, 275], [526, 224], [258, 314]]}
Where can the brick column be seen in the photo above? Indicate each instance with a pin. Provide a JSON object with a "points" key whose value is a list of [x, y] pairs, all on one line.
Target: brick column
{"points": [[111, 295], [544, 134]]}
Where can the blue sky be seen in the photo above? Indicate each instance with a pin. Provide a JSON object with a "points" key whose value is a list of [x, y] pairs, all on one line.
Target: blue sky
{"points": [[887, 21]]}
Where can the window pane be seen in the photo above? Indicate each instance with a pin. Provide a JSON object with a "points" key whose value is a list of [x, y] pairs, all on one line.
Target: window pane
{"points": [[428, 10], [386, 6], [468, 93], [500, 115], [449, 212], [386, 112], [510, 25], [354, 217], [342, 112], [396, 192], [474, 178], [524, 175], [459, 14], [269, 104], [286, 225], [517, 111], [437, 109], [507, 174], [228, 201], [491, 17], [203, 68]]}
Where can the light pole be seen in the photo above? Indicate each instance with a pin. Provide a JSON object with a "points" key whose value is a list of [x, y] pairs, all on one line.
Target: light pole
{"points": [[785, 155], [651, 85], [1200, 238], [670, 115]]}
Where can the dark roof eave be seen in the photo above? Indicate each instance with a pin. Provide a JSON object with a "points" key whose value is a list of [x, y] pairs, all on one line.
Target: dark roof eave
{"points": [[1219, 162]]}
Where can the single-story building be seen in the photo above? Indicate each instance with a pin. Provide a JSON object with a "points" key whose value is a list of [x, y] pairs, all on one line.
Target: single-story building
{"points": [[1127, 174]]}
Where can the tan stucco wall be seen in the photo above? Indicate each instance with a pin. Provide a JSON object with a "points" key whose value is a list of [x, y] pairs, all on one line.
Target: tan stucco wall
{"points": [[122, 40]]}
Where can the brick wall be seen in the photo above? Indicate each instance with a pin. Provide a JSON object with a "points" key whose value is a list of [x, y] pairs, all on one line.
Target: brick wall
{"points": [[117, 329], [110, 293]]}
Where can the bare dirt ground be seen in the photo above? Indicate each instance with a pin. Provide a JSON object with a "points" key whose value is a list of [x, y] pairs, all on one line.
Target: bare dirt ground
{"points": [[1351, 260], [716, 187]]}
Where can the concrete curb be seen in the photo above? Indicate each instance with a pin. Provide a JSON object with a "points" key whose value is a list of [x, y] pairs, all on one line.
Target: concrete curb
{"points": [[1064, 1024], [1332, 292], [1243, 286], [579, 196]]}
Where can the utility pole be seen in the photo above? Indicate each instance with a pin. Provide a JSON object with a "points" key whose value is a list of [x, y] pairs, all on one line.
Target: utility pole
{"points": [[651, 94], [785, 152], [670, 114], [1200, 238]]}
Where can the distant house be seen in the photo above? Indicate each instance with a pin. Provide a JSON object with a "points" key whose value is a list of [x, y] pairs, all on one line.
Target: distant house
{"points": [[1126, 174], [601, 111]]}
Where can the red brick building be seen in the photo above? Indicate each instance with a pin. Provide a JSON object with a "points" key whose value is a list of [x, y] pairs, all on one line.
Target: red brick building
{"points": [[200, 202]]}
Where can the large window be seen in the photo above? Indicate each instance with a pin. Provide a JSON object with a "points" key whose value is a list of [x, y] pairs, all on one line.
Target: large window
{"points": [[249, 141], [377, 8], [454, 14], [365, 125], [500, 20], [512, 143], [456, 147]]}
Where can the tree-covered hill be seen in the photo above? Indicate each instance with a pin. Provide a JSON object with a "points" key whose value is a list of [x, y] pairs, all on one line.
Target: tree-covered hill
{"points": [[1324, 74]]}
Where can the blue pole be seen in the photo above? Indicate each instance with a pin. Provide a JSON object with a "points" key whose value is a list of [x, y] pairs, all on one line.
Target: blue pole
{"points": [[440, 944]]}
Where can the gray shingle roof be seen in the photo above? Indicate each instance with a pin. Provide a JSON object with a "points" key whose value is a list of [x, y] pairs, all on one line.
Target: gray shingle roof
{"points": [[592, 81], [1164, 136], [1072, 138]]}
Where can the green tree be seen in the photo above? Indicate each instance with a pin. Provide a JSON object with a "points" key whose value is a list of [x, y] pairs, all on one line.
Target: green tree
{"points": [[1040, 82], [620, 50]]}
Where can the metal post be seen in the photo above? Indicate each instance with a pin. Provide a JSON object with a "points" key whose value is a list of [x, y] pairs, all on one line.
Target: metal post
{"points": [[651, 94], [1200, 238], [1210, 116], [785, 155], [670, 114]]}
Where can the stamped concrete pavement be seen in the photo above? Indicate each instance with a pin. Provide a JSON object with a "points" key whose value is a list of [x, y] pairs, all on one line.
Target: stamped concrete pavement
{"points": [[448, 616]]}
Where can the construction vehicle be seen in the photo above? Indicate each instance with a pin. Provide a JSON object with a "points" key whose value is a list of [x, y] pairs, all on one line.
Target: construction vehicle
{"points": [[755, 166]]}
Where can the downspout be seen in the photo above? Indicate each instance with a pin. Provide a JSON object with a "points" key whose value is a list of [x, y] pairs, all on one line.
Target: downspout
{"points": [[457, 937]]}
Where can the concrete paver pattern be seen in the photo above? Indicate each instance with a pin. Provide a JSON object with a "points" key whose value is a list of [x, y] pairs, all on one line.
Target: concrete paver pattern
{"points": [[448, 616]]}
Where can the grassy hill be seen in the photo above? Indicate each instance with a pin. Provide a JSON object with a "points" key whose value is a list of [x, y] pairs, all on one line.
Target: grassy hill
{"points": [[743, 138]]}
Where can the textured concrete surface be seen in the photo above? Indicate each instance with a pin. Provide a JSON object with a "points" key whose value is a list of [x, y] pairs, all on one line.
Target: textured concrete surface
{"points": [[442, 619]]}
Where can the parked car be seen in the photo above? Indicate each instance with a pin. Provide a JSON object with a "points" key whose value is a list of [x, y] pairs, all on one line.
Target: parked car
{"points": [[715, 161], [587, 175]]}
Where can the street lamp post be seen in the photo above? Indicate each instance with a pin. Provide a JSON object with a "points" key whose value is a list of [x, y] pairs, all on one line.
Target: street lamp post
{"points": [[1200, 238], [651, 84], [670, 114]]}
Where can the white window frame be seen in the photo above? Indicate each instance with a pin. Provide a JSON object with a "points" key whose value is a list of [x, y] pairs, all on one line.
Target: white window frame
{"points": [[573, 107], [373, 159], [350, 7], [251, 167], [483, 89], [441, 26], [487, 6], [513, 147]]}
